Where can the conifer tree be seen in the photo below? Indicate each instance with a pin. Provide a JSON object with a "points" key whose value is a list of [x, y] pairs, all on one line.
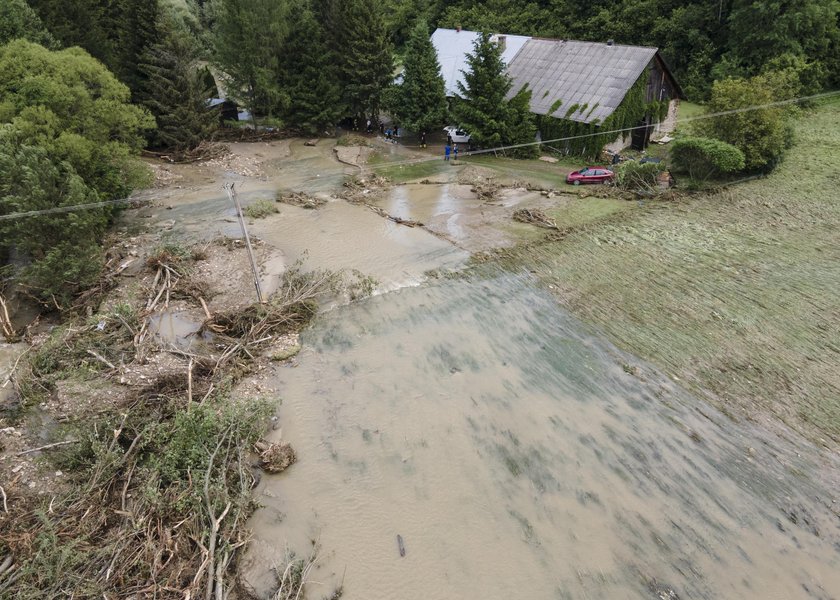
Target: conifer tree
{"points": [[421, 101], [308, 75], [176, 91], [247, 39], [363, 53], [138, 22], [482, 107]]}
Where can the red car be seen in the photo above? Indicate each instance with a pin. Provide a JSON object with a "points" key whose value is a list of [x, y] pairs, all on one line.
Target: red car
{"points": [[590, 175]]}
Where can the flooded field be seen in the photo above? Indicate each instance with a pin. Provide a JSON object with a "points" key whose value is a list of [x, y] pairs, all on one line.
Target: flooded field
{"points": [[511, 449], [517, 454]]}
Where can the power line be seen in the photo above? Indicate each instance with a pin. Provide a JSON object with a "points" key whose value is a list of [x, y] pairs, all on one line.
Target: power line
{"points": [[415, 161]]}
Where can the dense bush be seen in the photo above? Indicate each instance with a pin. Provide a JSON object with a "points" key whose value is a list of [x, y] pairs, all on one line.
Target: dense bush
{"points": [[634, 175], [702, 158]]}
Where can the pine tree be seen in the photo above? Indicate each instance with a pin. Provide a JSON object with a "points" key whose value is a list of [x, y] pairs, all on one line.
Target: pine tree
{"points": [[176, 91], [363, 52], [482, 108], [138, 22], [247, 39], [308, 75], [421, 102]]}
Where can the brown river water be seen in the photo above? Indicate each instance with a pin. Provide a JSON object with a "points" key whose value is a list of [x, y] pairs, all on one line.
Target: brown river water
{"points": [[514, 450]]}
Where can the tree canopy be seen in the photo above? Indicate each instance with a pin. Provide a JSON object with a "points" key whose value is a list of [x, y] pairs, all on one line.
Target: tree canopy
{"points": [[421, 100], [482, 107]]}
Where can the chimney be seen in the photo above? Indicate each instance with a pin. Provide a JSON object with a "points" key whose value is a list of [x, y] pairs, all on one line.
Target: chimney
{"points": [[502, 42], [610, 42]]}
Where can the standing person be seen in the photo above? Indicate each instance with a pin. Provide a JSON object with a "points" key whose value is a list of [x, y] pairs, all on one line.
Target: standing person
{"points": [[446, 152], [381, 127], [388, 134], [455, 151], [399, 134], [422, 139], [369, 126]]}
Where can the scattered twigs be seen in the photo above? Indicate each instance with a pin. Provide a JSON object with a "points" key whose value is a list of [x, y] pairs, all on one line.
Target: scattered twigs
{"points": [[397, 220], [14, 367], [300, 199], [47, 447]]}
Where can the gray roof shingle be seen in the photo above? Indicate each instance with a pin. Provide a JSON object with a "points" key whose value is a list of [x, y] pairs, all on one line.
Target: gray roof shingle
{"points": [[583, 73]]}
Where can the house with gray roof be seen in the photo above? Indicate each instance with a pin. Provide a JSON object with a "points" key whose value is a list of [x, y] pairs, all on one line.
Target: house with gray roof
{"points": [[581, 82]]}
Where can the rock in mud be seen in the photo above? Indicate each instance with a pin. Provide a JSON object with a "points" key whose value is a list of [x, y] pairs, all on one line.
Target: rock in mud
{"points": [[275, 457]]}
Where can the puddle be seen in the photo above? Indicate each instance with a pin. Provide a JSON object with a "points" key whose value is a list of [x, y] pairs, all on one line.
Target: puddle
{"points": [[176, 328], [345, 236], [454, 212], [516, 458]]}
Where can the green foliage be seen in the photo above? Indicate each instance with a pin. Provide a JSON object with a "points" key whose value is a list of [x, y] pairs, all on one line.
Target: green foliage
{"points": [[309, 75], [629, 114], [117, 32], [421, 99], [482, 108], [702, 157], [72, 106], [635, 175], [260, 208], [761, 134], [760, 32], [19, 21], [248, 39], [363, 53], [63, 248], [70, 137], [176, 91]]}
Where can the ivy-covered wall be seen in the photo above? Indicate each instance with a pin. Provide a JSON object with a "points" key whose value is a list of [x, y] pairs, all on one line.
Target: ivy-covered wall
{"points": [[597, 134]]}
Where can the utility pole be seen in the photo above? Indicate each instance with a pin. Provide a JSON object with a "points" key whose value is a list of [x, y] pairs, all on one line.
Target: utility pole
{"points": [[235, 199]]}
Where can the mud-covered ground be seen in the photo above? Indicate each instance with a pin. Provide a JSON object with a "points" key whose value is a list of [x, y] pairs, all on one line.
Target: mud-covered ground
{"points": [[543, 461]]}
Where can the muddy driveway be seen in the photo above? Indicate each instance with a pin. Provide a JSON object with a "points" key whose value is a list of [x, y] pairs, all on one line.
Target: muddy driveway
{"points": [[513, 450]]}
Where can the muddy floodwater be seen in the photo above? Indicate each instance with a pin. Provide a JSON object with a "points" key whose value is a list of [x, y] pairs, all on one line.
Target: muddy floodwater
{"points": [[467, 438], [519, 455]]}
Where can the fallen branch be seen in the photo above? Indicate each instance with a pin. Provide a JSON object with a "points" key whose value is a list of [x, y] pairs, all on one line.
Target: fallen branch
{"points": [[14, 367], [5, 509], [47, 447], [101, 359], [6, 323], [534, 216]]}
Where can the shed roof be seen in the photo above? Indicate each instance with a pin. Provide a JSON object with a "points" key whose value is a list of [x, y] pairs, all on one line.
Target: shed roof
{"points": [[577, 73], [452, 47]]}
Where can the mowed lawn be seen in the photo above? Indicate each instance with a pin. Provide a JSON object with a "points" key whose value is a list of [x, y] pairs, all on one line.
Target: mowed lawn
{"points": [[736, 294]]}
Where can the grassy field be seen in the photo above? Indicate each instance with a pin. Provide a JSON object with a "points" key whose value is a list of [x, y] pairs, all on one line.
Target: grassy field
{"points": [[736, 294]]}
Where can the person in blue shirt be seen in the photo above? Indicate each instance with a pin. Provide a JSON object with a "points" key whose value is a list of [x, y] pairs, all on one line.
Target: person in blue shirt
{"points": [[455, 151], [446, 152]]}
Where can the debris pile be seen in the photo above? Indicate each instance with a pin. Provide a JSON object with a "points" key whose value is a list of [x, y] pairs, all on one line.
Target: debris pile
{"points": [[534, 216]]}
